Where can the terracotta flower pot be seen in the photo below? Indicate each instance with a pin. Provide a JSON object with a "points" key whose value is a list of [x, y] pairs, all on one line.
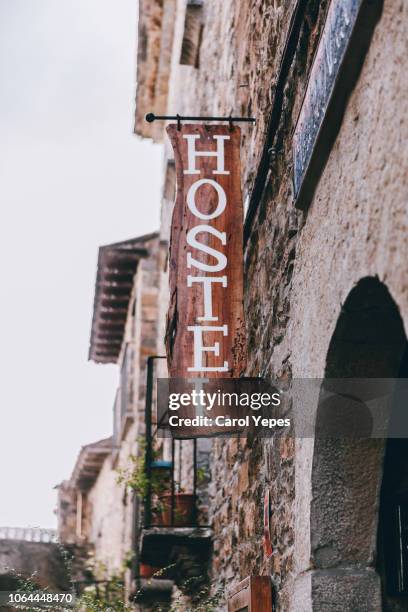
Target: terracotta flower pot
{"points": [[147, 571], [184, 506]]}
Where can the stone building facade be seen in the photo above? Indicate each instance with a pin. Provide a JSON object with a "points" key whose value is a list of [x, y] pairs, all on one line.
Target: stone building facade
{"points": [[326, 285], [96, 506], [326, 297]]}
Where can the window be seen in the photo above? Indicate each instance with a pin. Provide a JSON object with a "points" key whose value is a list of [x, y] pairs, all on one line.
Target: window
{"points": [[193, 26]]}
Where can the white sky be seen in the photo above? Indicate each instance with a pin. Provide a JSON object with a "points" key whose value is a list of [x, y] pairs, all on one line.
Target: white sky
{"points": [[72, 177]]}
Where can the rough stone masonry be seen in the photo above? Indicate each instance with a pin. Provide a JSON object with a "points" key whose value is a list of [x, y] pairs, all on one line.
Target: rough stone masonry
{"points": [[300, 268]]}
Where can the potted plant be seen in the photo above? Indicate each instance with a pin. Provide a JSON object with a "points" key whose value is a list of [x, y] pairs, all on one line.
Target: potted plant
{"points": [[159, 482], [184, 508], [147, 571]]}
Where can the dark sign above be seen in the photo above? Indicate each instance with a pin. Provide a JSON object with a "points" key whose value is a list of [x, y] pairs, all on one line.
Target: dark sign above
{"points": [[343, 44]]}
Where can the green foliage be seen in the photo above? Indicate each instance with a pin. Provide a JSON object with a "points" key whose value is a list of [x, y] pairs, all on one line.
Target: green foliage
{"points": [[202, 476], [105, 593], [201, 595], [127, 562], [134, 476], [203, 600], [196, 588], [26, 586], [106, 596]]}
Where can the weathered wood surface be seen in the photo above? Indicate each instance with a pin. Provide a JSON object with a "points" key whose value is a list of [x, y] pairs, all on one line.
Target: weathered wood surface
{"points": [[254, 594], [187, 302]]}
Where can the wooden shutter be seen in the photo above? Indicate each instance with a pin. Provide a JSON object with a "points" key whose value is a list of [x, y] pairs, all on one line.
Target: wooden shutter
{"points": [[254, 594]]}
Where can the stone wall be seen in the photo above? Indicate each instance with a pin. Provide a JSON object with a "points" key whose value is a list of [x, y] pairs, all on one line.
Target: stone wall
{"points": [[357, 224], [238, 77], [299, 268], [108, 523], [111, 502], [67, 513], [42, 563], [108, 508]]}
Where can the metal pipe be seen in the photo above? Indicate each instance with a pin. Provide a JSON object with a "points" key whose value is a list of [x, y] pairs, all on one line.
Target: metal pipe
{"points": [[135, 540], [173, 457], [148, 436], [195, 509]]}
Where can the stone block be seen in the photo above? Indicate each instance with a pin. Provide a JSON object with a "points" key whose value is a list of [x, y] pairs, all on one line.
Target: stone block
{"points": [[243, 478], [351, 589]]}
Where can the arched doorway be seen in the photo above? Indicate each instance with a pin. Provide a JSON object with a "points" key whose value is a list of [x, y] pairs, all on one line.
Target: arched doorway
{"points": [[392, 541], [369, 341]]}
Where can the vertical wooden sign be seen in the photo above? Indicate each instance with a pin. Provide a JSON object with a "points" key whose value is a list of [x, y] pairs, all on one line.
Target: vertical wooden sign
{"points": [[205, 334]]}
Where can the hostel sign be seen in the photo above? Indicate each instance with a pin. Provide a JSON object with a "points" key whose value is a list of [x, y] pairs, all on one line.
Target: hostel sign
{"points": [[205, 334]]}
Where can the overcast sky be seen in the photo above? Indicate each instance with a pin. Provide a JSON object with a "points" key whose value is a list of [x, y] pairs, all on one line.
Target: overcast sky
{"points": [[72, 177]]}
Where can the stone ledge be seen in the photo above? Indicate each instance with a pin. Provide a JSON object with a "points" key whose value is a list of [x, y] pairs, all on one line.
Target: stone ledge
{"points": [[157, 544], [351, 588], [153, 590]]}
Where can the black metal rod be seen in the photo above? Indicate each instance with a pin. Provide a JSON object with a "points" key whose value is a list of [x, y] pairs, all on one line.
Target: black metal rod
{"points": [[195, 509], [135, 538], [150, 117], [148, 435], [158, 527], [173, 462]]}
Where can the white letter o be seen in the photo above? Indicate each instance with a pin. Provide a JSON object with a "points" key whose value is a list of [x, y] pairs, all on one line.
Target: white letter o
{"points": [[222, 199]]}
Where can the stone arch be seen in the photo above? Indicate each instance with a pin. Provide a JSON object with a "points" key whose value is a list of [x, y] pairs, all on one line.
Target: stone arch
{"points": [[369, 341]]}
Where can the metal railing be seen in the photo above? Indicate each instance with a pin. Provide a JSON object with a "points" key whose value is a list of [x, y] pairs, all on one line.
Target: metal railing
{"points": [[28, 534], [174, 508]]}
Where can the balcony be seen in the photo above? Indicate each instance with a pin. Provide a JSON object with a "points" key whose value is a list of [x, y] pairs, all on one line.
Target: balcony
{"points": [[174, 512]]}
